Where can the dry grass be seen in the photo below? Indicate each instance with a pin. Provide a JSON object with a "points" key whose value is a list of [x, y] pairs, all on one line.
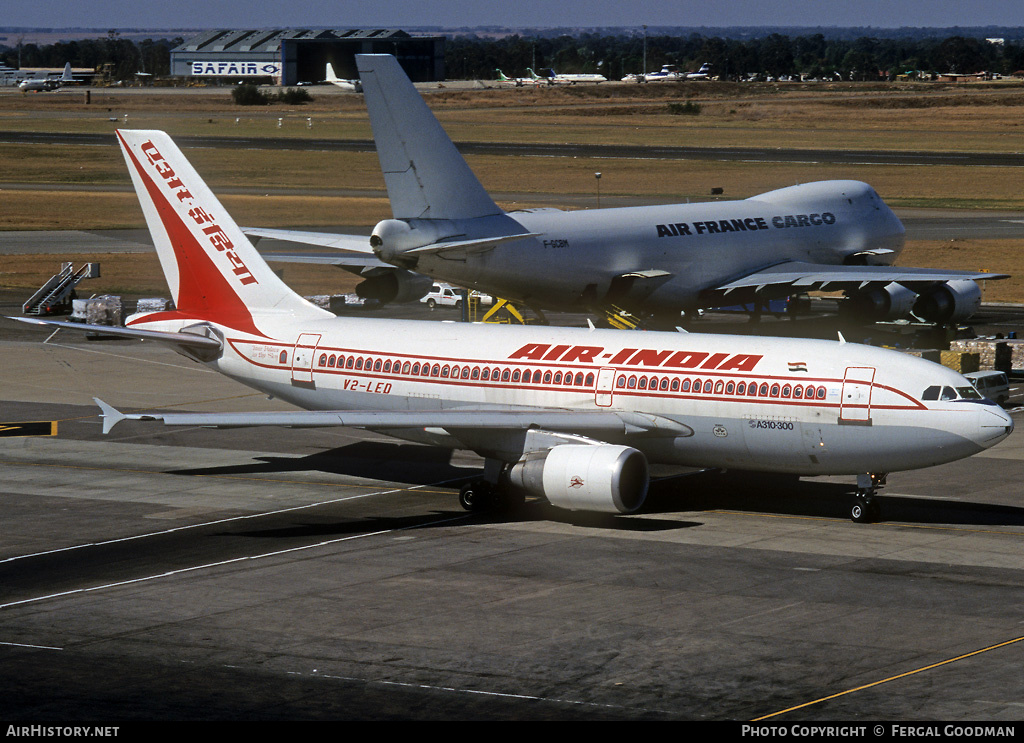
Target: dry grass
{"points": [[298, 188], [139, 275]]}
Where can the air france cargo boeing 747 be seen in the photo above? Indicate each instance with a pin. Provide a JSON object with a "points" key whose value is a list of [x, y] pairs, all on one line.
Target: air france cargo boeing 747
{"points": [[569, 414]]}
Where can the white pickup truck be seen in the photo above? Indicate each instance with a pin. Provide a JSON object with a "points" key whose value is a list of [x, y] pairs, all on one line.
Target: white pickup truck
{"points": [[448, 296]]}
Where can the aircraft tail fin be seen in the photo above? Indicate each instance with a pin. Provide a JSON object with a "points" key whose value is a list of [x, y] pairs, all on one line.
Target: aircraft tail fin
{"points": [[213, 271], [67, 77], [330, 75], [426, 177]]}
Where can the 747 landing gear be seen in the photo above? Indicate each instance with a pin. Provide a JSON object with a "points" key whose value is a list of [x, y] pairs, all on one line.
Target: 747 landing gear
{"points": [[865, 508]]}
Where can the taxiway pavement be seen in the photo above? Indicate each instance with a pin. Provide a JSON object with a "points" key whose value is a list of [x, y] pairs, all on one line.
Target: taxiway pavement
{"points": [[276, 574]]}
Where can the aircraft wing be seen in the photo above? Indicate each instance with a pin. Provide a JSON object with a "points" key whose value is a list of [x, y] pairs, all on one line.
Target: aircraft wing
{"points": [[593, 422], [816, 276], [355, 243], [184, 340]]}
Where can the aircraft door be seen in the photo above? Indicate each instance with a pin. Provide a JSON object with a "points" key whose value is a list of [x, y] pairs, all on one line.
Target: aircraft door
{"points": [[605, 386], [855, 407], [302, 358]]}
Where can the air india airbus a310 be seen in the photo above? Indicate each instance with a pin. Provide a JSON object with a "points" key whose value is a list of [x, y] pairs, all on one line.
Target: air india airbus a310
{"points": [[573, 415]]}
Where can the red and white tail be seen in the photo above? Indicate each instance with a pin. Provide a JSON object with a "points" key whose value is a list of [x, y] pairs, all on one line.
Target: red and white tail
{"points": [[213, 271]]}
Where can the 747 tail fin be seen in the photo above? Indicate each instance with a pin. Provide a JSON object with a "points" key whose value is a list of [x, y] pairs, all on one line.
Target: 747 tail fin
{"points": [[425, 174]]}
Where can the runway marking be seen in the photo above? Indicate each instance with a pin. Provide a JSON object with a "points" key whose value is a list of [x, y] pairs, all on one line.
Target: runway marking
{"points": [[892, 678], [28, 428], [33, 647], [499, 694], [207, 566], [261, 514]]}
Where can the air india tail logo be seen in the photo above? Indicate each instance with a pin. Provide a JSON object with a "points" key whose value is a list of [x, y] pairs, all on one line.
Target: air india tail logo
{"points": [[575, 482]]}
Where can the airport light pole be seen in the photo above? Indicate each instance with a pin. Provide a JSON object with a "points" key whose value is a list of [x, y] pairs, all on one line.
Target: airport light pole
{"points": [[597, 176]]}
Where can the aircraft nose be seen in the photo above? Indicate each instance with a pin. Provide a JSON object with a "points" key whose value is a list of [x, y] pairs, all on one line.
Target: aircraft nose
{"points": [[994, 425]]}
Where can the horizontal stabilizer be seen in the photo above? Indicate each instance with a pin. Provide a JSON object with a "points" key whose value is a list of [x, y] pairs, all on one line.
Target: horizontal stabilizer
{"points": [[355, 243], [478, 245], [340, 259], [181, 340]]}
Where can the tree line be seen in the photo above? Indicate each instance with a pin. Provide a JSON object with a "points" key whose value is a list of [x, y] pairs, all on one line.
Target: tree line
{"points": [[776, 55], [125, 57], [471, 57]]}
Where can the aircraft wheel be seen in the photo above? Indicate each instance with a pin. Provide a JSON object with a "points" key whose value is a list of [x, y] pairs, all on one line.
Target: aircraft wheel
{"points": [[864, 510], [476, 496]]}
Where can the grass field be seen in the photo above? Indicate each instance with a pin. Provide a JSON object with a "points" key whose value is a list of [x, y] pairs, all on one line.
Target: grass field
{"points": [[59, 187]]}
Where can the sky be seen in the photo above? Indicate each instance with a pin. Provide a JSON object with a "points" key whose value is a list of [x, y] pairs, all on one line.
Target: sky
{"points": [[515, 13]]}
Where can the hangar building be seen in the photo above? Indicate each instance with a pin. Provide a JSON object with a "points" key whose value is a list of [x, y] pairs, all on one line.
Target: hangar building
{"points": [[293, 56]]}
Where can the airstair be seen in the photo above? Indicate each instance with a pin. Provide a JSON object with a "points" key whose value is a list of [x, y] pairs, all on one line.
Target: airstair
{"points": [[54, 297]]}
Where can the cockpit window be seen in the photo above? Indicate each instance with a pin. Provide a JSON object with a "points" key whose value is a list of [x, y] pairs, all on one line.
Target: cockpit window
{"points": [[936, 392]]}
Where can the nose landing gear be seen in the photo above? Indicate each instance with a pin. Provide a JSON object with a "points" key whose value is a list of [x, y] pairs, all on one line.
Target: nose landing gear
{"points": [[865, 509]]}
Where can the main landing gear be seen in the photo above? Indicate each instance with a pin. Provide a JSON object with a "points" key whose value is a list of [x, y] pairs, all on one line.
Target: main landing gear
{"points": [[865, 509], [490, 492], [479, 496]]}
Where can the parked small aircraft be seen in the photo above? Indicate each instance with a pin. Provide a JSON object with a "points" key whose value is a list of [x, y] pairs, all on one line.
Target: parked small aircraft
{"points": [[47, 82]]}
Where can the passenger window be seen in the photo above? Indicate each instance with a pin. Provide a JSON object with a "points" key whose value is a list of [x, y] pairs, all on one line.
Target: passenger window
{"points": [[589, 380], [376, 365], [741, 388], [515, 376], [643, 383], [686, 385], [621, 382], [763, 390], [476, 372], [718, 387], [675, 384], [323, 359], [730, 388], [775, 390], [798, 391], [505, 374], [707, 385]]}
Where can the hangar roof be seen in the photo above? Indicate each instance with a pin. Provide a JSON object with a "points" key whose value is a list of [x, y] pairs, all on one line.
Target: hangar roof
{"points": [[269, 40]]}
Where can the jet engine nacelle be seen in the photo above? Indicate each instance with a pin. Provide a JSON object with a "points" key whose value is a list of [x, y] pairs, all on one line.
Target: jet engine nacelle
{"points": [[889, 302], [392, 237], [398, 286], [600, 477], [952, 301]]}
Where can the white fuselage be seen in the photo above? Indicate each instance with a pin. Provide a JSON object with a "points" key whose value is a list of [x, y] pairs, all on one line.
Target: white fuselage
{"points": [[820, 407], [695, 247]]}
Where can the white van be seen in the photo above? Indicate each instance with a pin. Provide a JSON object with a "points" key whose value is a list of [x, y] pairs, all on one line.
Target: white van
{"points": [[991, 384]]}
